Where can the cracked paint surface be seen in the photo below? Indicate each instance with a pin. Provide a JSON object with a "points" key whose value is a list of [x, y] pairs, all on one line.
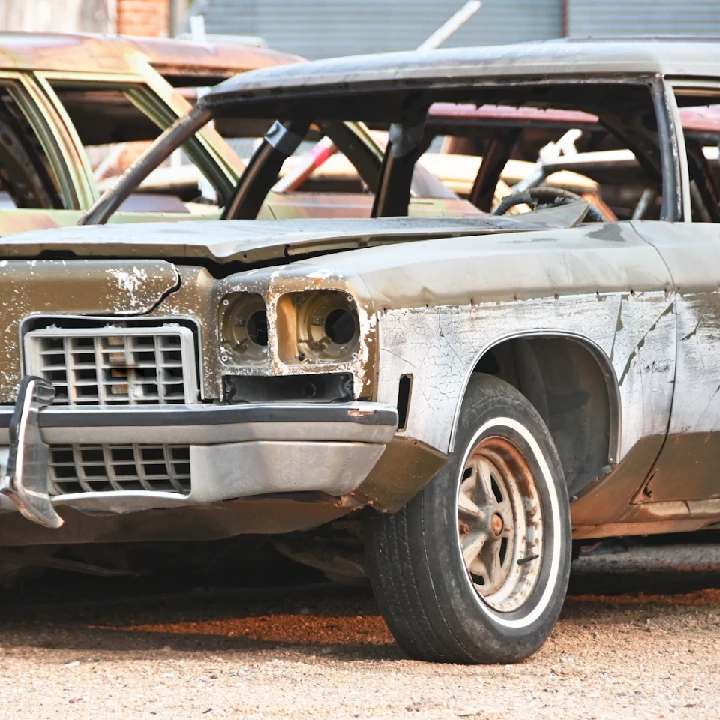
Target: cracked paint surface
{"points": [[696, 407], [440, 346]]}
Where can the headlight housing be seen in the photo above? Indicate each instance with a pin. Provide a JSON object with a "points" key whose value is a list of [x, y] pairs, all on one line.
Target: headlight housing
{"points": [[244, 327], [319, 326]]}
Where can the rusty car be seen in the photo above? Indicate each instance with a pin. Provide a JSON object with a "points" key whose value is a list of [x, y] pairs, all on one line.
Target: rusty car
{"points": [[72, 103], [461, 395]]}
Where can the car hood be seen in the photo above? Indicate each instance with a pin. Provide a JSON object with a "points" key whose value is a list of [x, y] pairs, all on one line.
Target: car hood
{"points": [[259, 242]]}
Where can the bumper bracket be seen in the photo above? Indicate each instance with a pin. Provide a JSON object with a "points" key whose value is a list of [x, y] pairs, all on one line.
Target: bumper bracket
{"points": [[25, 481]]}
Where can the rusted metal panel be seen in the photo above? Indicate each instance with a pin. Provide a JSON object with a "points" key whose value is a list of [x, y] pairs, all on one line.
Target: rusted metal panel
{"points": [[183, 59], [441, 346], [255, 241], [112, 54], [686, 466], [81, 287], [409, 463]]}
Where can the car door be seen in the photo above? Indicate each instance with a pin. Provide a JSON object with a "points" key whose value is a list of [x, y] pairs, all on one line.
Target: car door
{"points": [[686, 469]]}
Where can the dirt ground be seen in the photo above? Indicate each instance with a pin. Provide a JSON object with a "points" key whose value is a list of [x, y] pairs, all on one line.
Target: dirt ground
{"points": [[639, 638]]}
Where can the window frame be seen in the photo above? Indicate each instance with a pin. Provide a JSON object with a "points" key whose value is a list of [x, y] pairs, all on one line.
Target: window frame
{"points": [[44, 122], [161, 104], [689, 84]]}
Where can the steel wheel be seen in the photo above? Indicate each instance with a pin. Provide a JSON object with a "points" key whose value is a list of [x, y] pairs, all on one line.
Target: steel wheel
{"points": [[499, 524]]}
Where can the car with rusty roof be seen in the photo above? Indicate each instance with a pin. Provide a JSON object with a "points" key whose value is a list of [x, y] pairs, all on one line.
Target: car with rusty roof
{"points": [[460, 397], [73, 106]]}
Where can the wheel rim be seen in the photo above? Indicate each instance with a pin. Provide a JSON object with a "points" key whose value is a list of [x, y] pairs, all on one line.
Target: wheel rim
{"points": [[500, 524]]}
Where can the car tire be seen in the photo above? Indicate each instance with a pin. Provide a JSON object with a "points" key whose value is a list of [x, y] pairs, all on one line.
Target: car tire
{"points": [[502, 493]]}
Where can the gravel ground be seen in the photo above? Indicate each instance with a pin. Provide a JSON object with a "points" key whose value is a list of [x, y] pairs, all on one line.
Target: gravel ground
{"points": [[639, 638]]}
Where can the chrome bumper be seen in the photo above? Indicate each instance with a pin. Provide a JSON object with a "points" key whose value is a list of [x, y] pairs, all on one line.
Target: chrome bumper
{"points": [[235, 450]]}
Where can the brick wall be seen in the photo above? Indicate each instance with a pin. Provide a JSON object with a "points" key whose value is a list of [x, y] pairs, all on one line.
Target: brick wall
{"points": [[143, 17]]}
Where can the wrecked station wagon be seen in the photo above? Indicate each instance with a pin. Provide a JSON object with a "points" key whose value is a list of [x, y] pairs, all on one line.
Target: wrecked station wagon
{"points": [[469, 394], [72, 104]]}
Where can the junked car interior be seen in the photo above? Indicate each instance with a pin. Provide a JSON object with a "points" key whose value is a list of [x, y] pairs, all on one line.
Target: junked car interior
{"points": [[76, 108], [467, 125]]}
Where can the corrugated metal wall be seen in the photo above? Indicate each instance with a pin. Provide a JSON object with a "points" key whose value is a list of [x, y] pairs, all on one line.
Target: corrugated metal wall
{"points": [[327, 28], [644, 17]]}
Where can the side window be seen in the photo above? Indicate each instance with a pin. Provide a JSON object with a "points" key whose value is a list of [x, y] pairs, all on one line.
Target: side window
{"points": [[331, 173], [115, 131], [489, 153], [700, 117], [27, 177]]}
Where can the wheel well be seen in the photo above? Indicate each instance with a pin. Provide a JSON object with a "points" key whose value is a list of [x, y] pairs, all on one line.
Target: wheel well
{"points": [[572, 386]]}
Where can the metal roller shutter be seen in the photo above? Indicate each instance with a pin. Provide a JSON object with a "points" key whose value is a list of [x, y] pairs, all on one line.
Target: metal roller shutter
{"points": [[643, 17], [327, 28]]}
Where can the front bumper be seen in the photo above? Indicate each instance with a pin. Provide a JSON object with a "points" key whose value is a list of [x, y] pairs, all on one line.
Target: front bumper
{"points": [[235, 450]]}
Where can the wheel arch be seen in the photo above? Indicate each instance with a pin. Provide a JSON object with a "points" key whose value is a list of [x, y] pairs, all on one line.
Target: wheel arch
{"points": [[572, 384]]}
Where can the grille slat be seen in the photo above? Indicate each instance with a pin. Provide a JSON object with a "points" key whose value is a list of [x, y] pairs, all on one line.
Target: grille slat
{"points": [[104, 468], [115, 366]]}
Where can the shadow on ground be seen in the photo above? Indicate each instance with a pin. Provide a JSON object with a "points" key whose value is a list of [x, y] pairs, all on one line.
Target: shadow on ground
{"points": [[301, 614]]}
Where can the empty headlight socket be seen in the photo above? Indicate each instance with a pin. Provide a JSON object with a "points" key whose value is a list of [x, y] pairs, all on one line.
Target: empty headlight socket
{"points": [[243, 327], [317, 326]]}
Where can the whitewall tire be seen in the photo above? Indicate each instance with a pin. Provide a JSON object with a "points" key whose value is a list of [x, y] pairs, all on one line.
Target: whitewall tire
{"points": [[475, 567]]}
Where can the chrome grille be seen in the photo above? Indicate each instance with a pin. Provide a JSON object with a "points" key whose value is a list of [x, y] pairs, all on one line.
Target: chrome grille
{"points": [[104, 468], [115, 366]]}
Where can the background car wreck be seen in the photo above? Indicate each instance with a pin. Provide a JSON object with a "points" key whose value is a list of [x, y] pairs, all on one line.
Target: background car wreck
{"points": [[69, 97]]}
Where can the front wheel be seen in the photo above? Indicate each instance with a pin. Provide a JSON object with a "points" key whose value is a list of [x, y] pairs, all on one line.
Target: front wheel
{"points": [[475, 567]]}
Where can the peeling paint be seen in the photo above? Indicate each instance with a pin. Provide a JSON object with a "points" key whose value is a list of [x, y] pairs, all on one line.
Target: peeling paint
{"points": [[80, 287], [129, 281], [441, 345]]}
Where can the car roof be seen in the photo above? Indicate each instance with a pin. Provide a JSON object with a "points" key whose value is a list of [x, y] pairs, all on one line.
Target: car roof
{"points": [[180, 61], [569, 58]]}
